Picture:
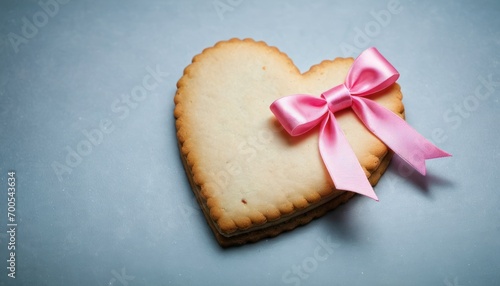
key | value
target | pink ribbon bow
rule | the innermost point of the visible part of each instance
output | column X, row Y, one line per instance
column 370, row 73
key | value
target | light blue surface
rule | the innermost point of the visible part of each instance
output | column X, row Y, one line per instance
column 125, row 215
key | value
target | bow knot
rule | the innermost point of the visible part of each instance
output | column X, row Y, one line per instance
column 370, row 73
column 337, row 98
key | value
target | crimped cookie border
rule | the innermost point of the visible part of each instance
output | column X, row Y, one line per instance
column 197, row 182
column 288, row 225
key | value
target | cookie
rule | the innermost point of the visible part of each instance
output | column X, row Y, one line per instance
column 251, row 178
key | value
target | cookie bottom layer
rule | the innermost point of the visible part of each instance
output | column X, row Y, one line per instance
column 314, row 211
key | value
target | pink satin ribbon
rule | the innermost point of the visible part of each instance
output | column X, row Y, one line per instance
column 370, row 73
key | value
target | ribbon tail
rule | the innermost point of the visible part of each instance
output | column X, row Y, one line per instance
column 340, row 160
column 398, row 135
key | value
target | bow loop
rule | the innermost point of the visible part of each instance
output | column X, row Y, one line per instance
column 370, row 73
column 299, row 113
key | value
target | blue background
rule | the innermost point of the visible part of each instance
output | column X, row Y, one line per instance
column 124, row 214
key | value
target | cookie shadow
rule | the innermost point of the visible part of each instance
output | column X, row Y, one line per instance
column 341, row 222
column 426, row 184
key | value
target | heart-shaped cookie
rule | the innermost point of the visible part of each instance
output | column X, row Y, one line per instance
column 251, row 178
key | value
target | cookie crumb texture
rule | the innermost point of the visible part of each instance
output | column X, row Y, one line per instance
column 250, row 177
